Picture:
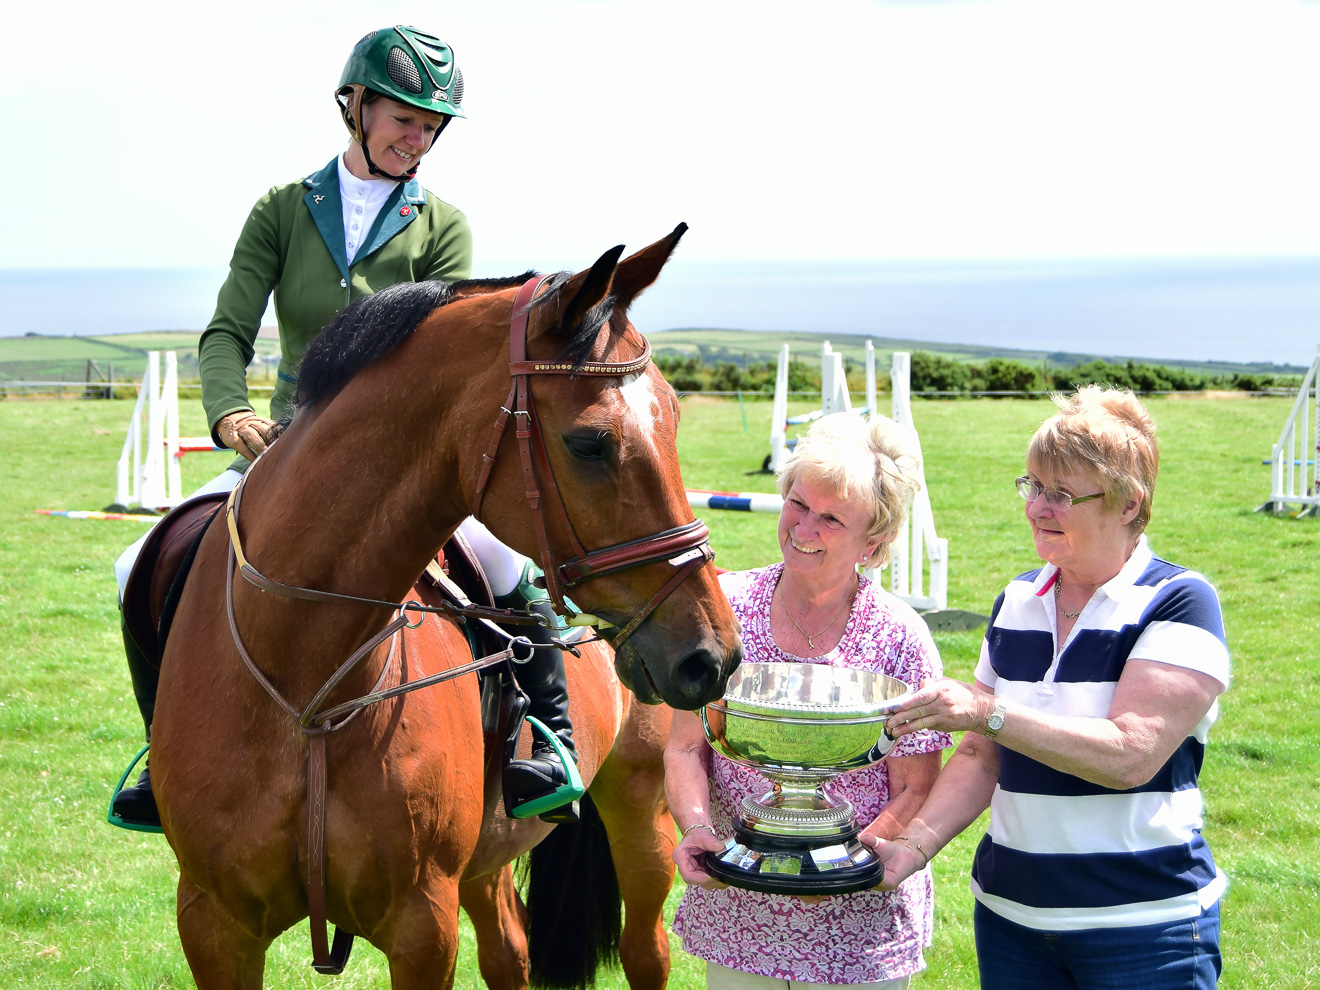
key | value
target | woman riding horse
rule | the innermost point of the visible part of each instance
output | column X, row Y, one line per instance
column 359, row 224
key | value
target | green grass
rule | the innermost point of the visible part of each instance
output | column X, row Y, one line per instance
column 83, row 905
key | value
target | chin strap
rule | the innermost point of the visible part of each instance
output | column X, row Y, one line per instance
column 353, row 120
column 376, row 170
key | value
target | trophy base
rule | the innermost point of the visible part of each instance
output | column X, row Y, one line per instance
column 776, row 865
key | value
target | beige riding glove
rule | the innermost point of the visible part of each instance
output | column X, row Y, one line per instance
column 246, row 433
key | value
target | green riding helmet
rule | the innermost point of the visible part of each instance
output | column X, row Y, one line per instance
column 406, row 65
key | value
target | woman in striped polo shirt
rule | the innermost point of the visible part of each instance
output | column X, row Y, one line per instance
column 1086, row 728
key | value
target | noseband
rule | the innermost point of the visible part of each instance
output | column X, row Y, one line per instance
column 685, row 547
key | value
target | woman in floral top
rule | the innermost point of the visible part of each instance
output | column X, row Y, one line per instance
column 847, row 489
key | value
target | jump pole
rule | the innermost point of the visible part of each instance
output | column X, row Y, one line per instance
column 735, row 501
column 89, row 514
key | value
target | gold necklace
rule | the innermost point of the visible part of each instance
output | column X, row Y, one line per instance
column 1058, row 602
column 811, row 645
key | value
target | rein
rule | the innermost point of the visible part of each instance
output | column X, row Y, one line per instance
column 685, row 547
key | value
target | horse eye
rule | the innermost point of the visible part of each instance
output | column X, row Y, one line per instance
column 585, row 448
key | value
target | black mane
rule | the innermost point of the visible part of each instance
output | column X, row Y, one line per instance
column 581, row 338
column 365, row 331
column 372, row 327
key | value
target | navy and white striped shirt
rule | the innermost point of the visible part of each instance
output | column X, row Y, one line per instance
column 1063, row 853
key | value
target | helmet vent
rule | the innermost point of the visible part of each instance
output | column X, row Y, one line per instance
column 402, row 70
column 436, row 52
column 458, row 87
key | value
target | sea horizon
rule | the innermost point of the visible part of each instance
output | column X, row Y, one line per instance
column 1242, row 310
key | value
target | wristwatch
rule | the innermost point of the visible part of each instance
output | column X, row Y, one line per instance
column 996, row 720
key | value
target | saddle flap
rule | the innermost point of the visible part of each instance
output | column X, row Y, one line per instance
column 456, row 573
column 457, row 564
column 157, row 566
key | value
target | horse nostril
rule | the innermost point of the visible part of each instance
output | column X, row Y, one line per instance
column 698, row 677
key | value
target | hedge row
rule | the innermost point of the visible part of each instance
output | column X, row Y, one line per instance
column 937, row 373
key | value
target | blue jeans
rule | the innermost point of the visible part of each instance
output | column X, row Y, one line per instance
column 1181, row 955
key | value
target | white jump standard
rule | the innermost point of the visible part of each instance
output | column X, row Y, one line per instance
column 1294, row 471
column 834, row 398
column 148, row 471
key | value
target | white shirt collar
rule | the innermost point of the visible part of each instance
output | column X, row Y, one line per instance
column 362, row 200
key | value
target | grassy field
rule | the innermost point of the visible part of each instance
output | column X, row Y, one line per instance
column 83, row 905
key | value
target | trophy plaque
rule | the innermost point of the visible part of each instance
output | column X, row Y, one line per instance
column 800, row 725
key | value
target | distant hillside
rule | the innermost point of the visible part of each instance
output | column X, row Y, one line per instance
column 749, row 346
column 36, row 357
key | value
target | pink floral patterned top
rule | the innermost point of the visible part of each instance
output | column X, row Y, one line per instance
column 853, row 938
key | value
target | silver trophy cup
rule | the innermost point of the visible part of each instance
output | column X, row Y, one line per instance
column 800, row 725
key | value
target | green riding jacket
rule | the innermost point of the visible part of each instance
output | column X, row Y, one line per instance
column 293, row 245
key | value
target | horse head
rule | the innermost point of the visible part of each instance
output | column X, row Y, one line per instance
column 598, row 439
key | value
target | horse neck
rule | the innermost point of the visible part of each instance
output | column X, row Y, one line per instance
column 355, row 500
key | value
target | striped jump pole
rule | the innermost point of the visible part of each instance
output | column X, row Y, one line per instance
column 736, row 501
column 89, row 514
column 196, row 445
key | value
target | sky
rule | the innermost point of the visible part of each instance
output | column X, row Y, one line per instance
column 139, row 133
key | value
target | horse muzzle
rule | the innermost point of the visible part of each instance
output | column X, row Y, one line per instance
column 695, row 678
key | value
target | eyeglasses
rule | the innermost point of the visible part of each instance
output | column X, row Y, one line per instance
column 1055, row 498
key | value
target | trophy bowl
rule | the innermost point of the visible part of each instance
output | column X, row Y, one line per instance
column 800, row 725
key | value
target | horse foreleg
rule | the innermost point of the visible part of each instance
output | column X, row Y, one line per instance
column 221, row 953
column 421, row 939
column 631, row 804
column 500, row 922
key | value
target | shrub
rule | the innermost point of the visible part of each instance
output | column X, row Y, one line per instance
column 937, row 373
column 1006, row 375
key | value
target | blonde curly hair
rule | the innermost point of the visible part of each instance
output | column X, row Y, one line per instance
column 1109, row 431
column 872, row 461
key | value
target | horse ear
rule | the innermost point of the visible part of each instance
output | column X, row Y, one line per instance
column 638, row 271
column 581, row 293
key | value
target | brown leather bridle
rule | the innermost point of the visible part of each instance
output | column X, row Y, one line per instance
column 686, row 547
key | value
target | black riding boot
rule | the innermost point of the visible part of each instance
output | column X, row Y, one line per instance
column 543, row 785
column 137, row 804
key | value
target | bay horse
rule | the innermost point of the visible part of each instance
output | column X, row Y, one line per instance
column 380, row 463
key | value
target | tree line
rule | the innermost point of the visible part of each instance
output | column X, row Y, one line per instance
column 937, row 373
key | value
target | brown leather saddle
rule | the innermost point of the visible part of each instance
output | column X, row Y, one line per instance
column 152, row 591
